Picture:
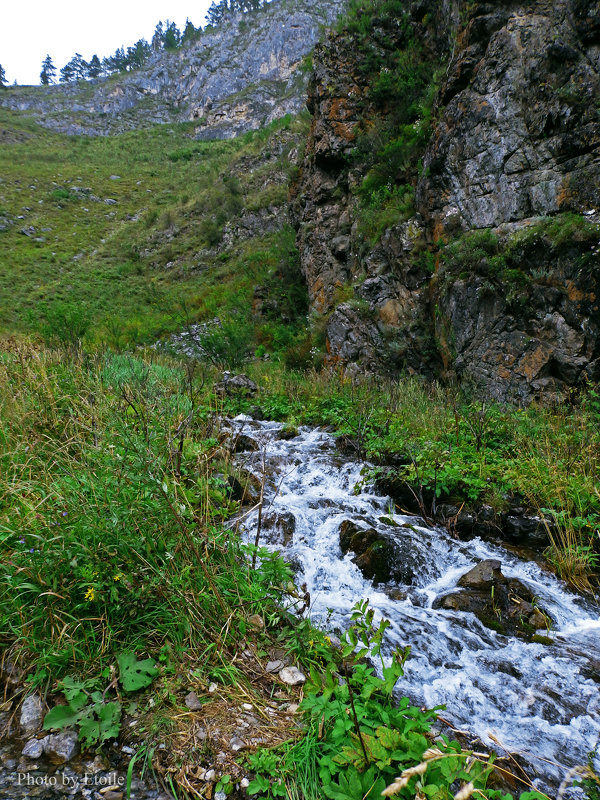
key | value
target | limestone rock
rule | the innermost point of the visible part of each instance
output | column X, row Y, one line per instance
column 34, row 748
column 291, row 676
column 193, row 702
column 61, row 747
column 31, row 714
column 233, row 385
column 234, row 78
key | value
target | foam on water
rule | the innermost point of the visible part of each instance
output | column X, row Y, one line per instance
column 534, row 698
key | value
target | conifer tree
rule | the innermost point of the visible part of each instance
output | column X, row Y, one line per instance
column 94, row 68
column 48, row 73
column 172, row 36
column 2, row 76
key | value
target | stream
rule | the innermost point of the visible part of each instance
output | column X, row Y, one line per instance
column 539, row 700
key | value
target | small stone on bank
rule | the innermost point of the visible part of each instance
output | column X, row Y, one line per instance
column 274, row 666
column 291, row 676
column 34, row 748
column 31, row 714
column 61, row 747
column 193, row 702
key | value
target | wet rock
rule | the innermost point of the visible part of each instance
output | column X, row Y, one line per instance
column 380, row 556
column 243, row 443
column 503, row 604
column 246, row 487
column 193, row 702
column 483, row 576
column 31, row 714
column 61, row 747
column 291, row 676
column 280, row 527
column 288, row 432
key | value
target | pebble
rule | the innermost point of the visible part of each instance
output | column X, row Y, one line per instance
column 247, row 706
column 213, row 688
column 244, row 783
column 291, row 676
column 237, row 744
column 34, row 748
column 209, row 775
column 274, row 666
column 220, row 796
column 193, row 702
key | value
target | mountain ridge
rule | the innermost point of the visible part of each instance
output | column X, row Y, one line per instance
column 236, row 77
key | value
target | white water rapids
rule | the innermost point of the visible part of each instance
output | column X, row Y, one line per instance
column 537, row 699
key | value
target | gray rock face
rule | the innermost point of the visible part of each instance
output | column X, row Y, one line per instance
column 31, row 714
column 519, row 135
column 518, row 139
column 234, row 78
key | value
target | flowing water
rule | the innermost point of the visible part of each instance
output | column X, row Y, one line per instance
column 540, row 700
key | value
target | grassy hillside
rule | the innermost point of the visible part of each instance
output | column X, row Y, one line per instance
column 121, row 237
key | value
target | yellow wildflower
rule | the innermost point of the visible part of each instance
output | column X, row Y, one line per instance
column 90, row 594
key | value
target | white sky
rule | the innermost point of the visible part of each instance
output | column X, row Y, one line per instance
column 31, row 28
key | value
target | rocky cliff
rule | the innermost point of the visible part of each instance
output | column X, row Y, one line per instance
column 236, row 77
column 488, row 272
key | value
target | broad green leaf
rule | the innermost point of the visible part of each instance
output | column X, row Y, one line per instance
column 60, row 717
column 135, row 674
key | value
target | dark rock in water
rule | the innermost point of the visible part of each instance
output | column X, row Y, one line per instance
column 281, row 527
column 483, row 576
column 504, row 604
column 381, row 557
column 288, row 432
column 257, row 413
column 246, row 487
column 236, row 385
column 244, row 443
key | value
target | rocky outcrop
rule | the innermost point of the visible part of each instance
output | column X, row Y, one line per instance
column 515, row 152
column 234, row 78
column 519, row 135
column 381, row 556
column 503, row 604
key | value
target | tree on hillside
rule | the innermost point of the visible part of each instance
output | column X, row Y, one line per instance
column 94, row 68
column 172, row 36
column 2, row 76
column 158, row 37
column 189, row 33
column 48, row 73
column 138, row 54
column 75, row 70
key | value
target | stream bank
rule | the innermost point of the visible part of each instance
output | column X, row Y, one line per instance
column 537, row 695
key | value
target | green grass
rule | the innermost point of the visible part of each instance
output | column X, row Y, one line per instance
column 130, row 266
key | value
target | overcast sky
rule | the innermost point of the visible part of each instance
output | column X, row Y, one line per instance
column 31, row 28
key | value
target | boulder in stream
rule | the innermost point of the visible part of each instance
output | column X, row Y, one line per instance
column 381, row 557
column 503, row 604
column 280, row 527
